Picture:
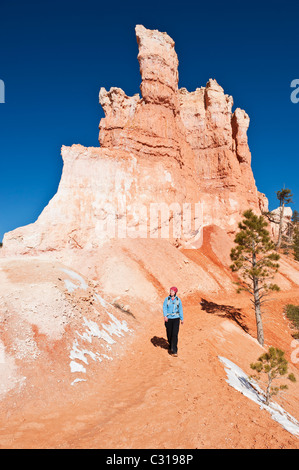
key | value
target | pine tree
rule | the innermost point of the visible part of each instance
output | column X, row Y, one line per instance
column 254, row 258
column 275, row 366
column 287, row 238
column 285, row 197
column 292, row 313
column 296, row 243
column 295, row 217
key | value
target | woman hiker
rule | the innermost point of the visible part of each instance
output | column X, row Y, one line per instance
column 173, row 314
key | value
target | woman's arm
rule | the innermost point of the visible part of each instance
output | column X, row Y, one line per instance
column 181, row 310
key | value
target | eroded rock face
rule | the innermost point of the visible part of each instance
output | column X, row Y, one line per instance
column 158, row 67
column 275, row 215
column 167, row 146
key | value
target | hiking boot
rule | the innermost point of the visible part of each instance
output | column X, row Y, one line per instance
column 175, row 354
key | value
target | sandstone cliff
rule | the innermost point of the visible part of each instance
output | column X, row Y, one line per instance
column 169, row 146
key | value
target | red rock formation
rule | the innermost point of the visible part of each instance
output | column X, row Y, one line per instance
column 169, row 146
column 275, row 220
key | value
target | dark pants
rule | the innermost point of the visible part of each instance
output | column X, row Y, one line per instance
column 172, row 330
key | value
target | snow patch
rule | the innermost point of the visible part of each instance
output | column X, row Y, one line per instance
column 168, row 178
column 76, row 367
column 78, row 380
column 114, row 328
column 248, row 387
column 103, row 332
column 77, row 353
column 101, row 300
column 69, row 284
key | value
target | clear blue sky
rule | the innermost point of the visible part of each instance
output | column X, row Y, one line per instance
column 55, row 56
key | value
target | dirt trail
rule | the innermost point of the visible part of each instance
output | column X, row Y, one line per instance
column 149, row 399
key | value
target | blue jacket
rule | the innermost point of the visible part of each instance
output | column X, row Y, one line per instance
column 174, row 309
